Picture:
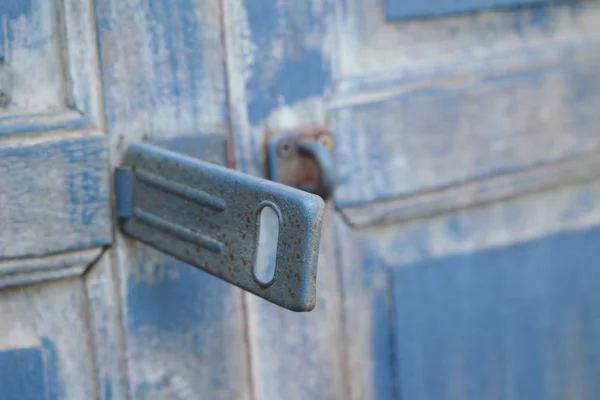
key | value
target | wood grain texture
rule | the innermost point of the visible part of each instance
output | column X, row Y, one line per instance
column 46, row 325
column 54, row 196
column 49, row 78
column 436, row 137
column 572, row 171
column 105, row 329
column 368, row 45
column 163, row 79
column 519, row 321
column 279, row 71
column 381, row 330
column 54, row 184
column 430, row 106
column 31, row 75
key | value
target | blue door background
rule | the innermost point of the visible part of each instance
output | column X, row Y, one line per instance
column 459, row 251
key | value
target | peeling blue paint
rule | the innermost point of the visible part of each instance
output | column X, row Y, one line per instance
column 172, row 296
column 377, row 181
column 384, row 363
column 13, row 9
column 108, row 389
column 79, row 200
column 29, row 373
column 294, row 80
column 176, row 31
column 53, row 385
column 497, row 323
column 300, row 72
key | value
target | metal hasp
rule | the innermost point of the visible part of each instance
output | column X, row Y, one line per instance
column 209, row 217
column 303, row 159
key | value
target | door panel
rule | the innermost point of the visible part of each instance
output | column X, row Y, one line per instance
column 435, row 295
column 54, row 204
column 32, row 42
column 54, row 180
column 54, row 196
column 433, row 137
column 44, row 346
column 519, row 322
column 428, row 104
column 49, row 69
column 466, row 153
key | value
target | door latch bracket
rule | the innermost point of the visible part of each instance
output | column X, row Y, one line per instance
column 209, row 217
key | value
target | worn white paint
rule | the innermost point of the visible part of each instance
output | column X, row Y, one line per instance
column 369, row 44
column 56, row 311
column 296, row 356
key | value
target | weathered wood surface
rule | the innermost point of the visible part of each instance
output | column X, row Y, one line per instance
column 163, row 78
column 279, row 72
column 44, row 347
column 519, row 321
column 54, row 196
column 478, row 108
column 53, row 184
column 376, row 258
column 54, row 202
column 455, row 136
column 427, row 105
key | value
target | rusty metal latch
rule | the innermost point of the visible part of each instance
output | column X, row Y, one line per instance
column 209, row 216
column 303, row 159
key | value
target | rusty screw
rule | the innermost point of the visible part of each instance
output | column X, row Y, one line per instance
column 286, row 149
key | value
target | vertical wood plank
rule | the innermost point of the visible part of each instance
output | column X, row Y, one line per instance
column 163, row 76
column 279, row 72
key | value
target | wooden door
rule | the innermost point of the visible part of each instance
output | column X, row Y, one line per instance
column 467, row 138
column 54, row 205
column 458, row 254
column 462, row 234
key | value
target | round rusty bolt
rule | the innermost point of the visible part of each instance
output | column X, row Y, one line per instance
column 286, row 148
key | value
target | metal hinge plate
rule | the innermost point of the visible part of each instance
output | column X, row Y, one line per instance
column 209, row 217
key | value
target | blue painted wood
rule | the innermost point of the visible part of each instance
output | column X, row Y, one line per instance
column 395, row 332
column 436, row 136
column 408, row 9
column 106, row 331
column 23, row 374
column 279, row 72
column 45, row 349
column 519, row 321
column 274, row 64
column 163, row 79
column 48, row 76
column 54, row 196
